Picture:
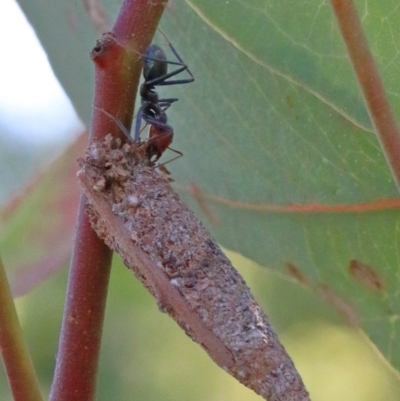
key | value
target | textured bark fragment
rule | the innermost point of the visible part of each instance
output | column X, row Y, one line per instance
column 134, row 209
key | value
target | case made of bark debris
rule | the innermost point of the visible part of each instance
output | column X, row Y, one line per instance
column 134, row 209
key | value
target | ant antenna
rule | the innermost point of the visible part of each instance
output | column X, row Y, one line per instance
column 117, row 121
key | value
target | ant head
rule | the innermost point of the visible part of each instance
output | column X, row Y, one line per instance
column 155, row 63
column 160, row 137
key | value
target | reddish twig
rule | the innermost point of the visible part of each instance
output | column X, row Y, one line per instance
column 117, row 71
column 17, row 361
column 135, row 210
column 371, row 84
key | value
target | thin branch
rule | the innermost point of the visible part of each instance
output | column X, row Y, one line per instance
column 137, row 213
column 371, row 84
column 117, row 71
column 17, row 361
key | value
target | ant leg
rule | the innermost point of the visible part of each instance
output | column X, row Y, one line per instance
column 180, row 154
column 161, row 81
column 137, row 125
column 157, row 123
column 178, row 57
column 165, row 102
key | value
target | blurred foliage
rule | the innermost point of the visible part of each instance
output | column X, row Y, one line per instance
column 17, row 162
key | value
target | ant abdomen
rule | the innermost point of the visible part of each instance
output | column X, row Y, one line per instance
column 155, row 63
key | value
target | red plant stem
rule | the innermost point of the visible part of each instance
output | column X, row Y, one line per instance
column 367, row 74
column 17, row 361
column 79, row 348
column 117, row 71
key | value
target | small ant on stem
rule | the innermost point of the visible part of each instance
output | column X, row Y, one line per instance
column 153, row 109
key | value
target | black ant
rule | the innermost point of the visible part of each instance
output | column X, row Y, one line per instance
column 153, row 109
